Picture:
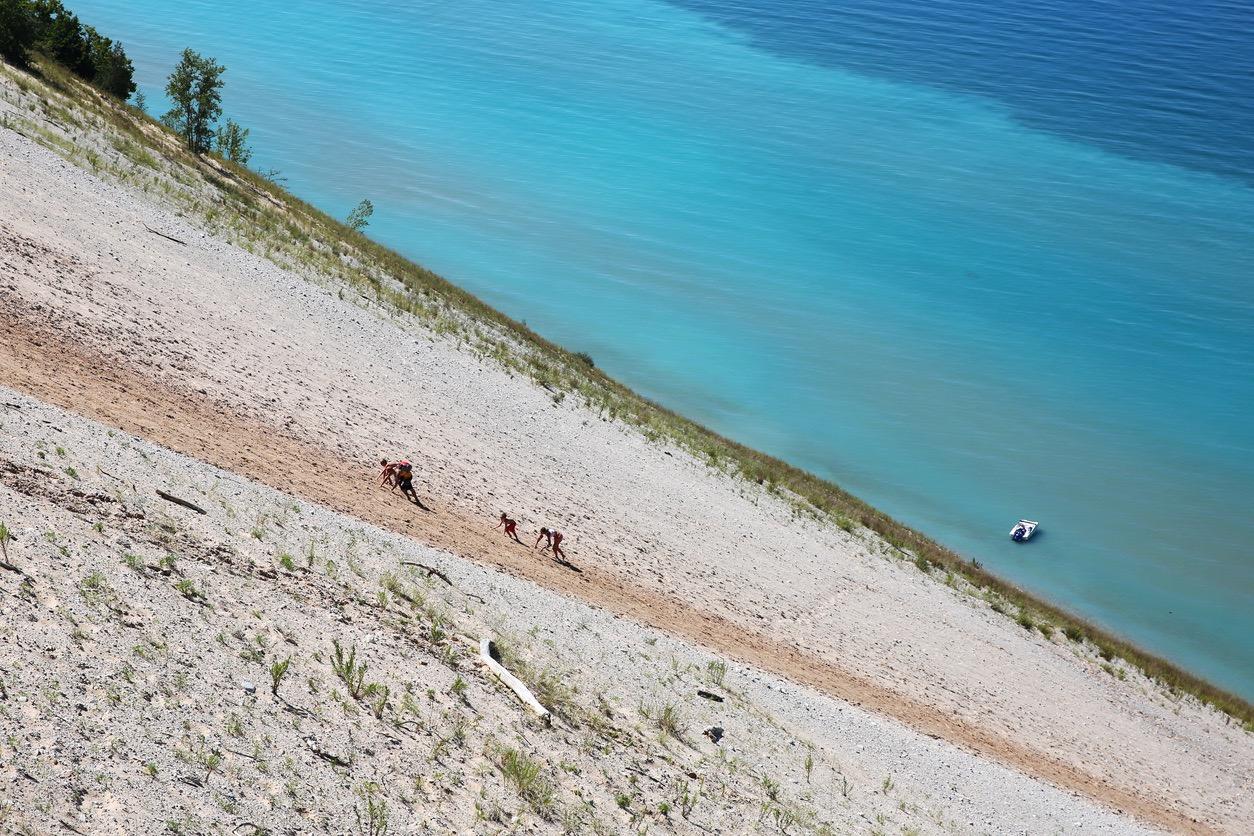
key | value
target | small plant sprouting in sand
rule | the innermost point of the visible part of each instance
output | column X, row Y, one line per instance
column 234, row 726
column 1025, row 621
column 716, row 672
column 376, row 696
column 210, row 761
column 94, row 589
column 151, row 769
column 527, row 777
column 667, row 718
column 459, row 687
column 887, row 786
column 1073, row 633
column 771, row 788
column 687, row 797
column 809, row 764
column 286, row 561
column 373, row 821
column 189, row 591
column 346, row 668
column 277, row 671
column 72, row 473
column 5, row 537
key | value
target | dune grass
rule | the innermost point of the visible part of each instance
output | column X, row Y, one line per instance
column 264, row 218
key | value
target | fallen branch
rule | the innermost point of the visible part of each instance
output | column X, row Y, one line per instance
column 514, row 683
column 163, row 235
column 334, row 760
column 104, row 472
column 431, row 570
column 172, row 498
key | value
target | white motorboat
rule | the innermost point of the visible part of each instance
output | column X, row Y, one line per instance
column 1023, row 530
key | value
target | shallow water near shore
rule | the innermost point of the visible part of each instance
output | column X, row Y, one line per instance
column 965, row 303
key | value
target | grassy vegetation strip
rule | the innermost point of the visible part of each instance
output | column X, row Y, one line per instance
column 262, row 217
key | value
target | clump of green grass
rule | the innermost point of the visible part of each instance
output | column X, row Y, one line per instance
column 669, row 720
column 349, row 670
column 526, row 776
column 278, row 670
column 189, row 591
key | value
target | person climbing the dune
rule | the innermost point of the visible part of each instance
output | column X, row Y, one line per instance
column 387, row 476
column 553, row 539
column 404, row 476
column 400, row 474
column 511, row 528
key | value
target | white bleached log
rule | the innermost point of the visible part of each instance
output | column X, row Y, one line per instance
column 512, row 682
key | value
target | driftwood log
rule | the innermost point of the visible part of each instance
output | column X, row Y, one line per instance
column 169, row 497
column 512, row 682
column 163, row 235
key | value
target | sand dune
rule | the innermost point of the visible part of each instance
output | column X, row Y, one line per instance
column 286, row 378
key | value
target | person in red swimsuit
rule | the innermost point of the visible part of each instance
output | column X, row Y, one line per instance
column 511, row 528
column 552, row 539
column 387, row 476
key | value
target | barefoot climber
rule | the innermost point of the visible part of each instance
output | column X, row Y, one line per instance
column 401, row 475
column 387, row 476
column 511, row 528
column 552, row 539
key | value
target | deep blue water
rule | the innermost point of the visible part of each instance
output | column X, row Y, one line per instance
column 1154, row 79
column 971, row 264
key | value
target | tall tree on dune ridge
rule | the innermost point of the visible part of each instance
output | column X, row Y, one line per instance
column 195, row 87
column 17, row 30
column 112, row 69
column 62, row 37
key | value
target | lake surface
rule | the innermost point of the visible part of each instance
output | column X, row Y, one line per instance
column 973, row 263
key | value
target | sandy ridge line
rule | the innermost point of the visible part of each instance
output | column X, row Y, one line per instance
column 51, row 367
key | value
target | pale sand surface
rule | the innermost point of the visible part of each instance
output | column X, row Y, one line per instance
column 285, row 352
column 104, row 677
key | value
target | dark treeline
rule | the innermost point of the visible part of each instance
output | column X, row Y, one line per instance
column 47, row 27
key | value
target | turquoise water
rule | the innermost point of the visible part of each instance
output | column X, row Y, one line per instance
column 883, row 252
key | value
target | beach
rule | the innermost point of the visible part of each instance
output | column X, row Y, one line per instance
column 294, row 380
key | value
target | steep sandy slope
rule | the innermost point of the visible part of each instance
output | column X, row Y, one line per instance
column 137, row 640
column 242, row 345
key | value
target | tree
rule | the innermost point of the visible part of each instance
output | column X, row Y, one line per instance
column 17, row 30
column 141, row 101
column 359, row 218
column 62, row 38
column 195, row 87
column 233, row 143
column 113, row 71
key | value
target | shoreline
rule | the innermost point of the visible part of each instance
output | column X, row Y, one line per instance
column 238, row 319
column 386, row 278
